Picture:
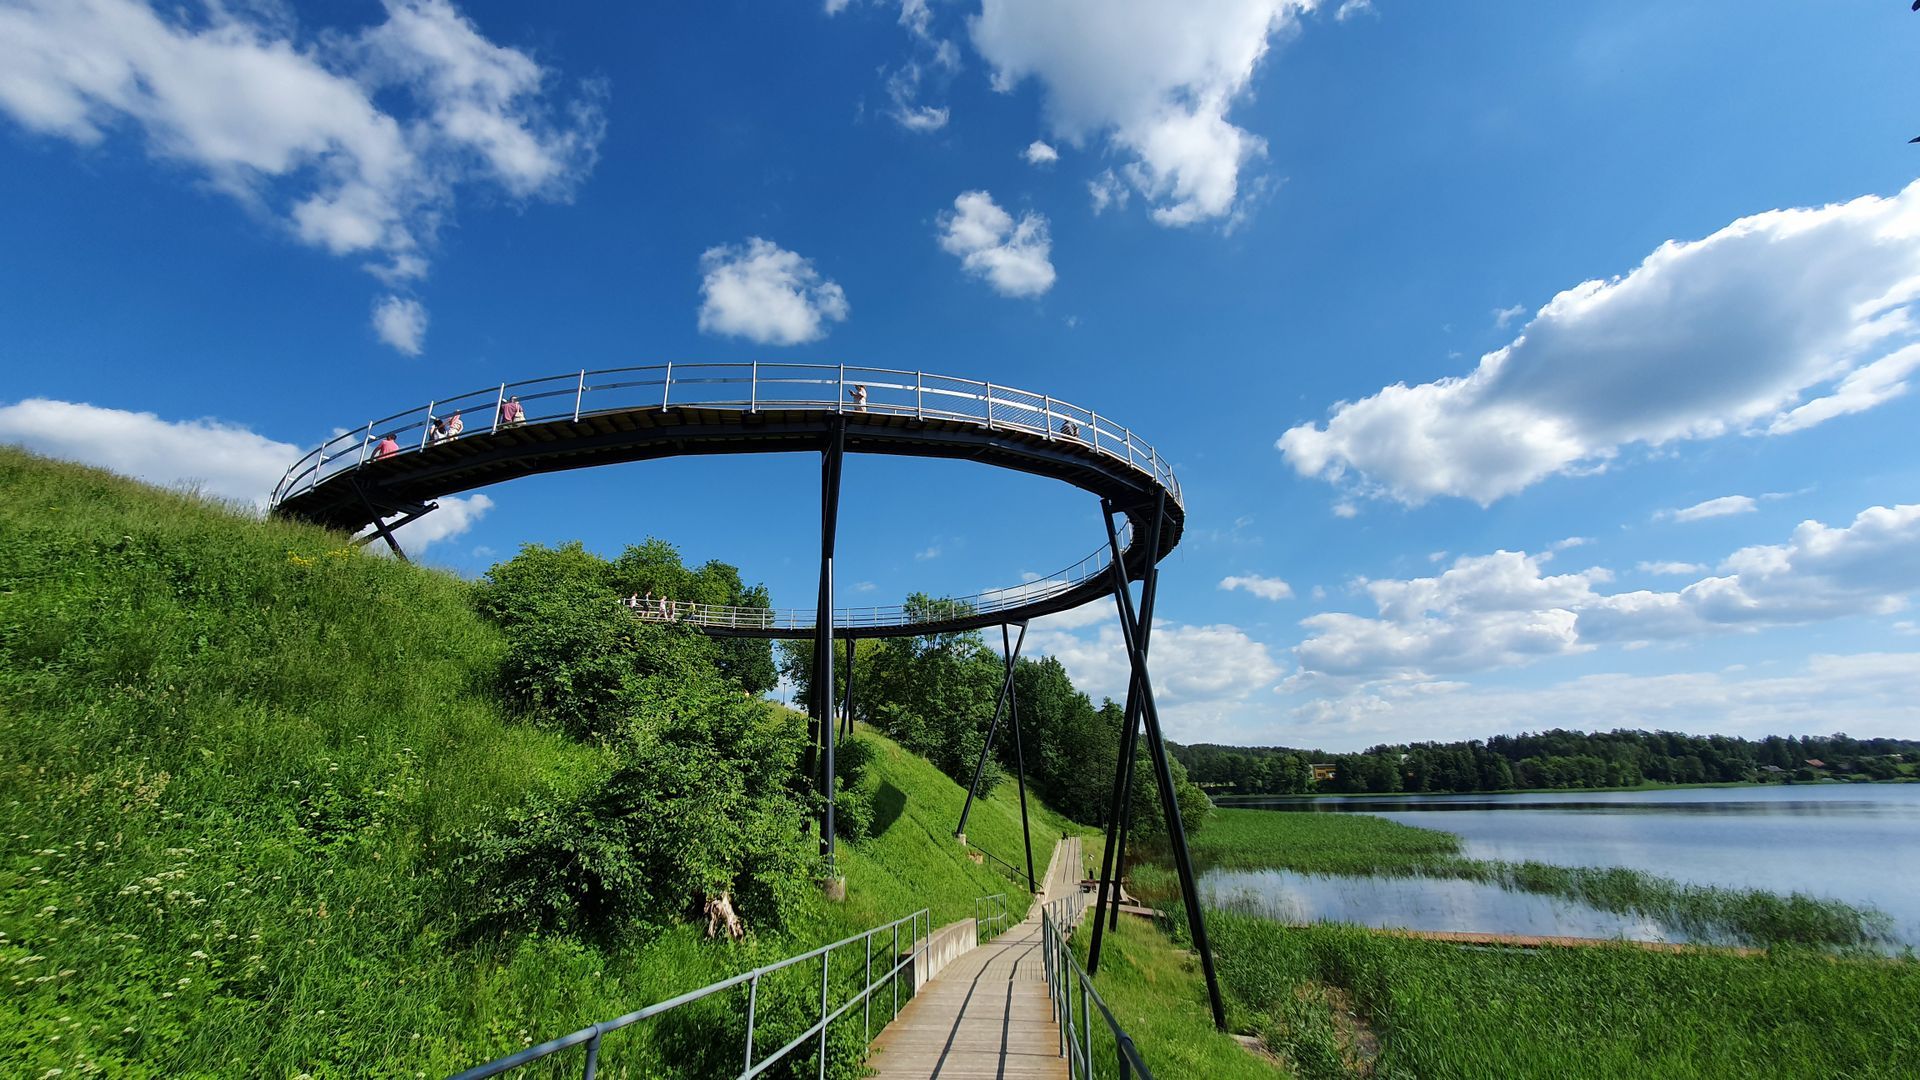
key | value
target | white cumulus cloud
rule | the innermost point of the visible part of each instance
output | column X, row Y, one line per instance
column 452, row 516
column 1039, row 153
column 1154, row 80
column 357, row 142
column 402, row 323
column 271, row 117
column 1777, row 322
column 1501, row 610
column 218, row 458
column 1266, row 588
column 1202, row 675
column 1014, row 257
column 766, row 294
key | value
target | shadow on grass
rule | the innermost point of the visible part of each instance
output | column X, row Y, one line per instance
column 889, row 803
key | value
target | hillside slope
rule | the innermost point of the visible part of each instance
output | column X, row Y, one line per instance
column 238, row 756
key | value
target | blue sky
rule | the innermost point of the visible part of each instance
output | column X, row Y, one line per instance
column 1524, row 365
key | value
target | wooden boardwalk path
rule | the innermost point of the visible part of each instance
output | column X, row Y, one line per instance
column 987, row 1015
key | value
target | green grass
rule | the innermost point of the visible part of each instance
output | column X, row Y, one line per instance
column 1441, row 1012
column 1159, row 997
column 1362, row 844
column 238, row 754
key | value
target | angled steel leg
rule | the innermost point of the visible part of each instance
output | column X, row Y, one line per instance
column 1120, row 811
column 1163, row 772
column 1006, row 687
column 1019, row 753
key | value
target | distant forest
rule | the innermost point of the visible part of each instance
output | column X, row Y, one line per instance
column 1549, row 759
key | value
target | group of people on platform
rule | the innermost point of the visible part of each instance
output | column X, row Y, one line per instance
column 648, row 607
column 447, row 428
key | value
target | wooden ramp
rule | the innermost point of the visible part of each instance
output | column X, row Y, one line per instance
column 987, row 1015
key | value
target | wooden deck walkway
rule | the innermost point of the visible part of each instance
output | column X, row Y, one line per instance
column 987, row 1015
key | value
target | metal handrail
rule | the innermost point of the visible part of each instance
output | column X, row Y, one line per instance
column 583, row 394
column 734, row 617
column 919, row 925
column 991, row 917
column 1065, row 977
column 1013, row 871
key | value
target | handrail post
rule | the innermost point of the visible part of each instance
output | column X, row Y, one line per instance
column 919, row 406
column 498, row 404
column 593, row 1058
column 825, row 957
column 840, row 388
column 753, row 388
column 428, row 429
column 1048, row 421
column 666, row 386
column 753, row 1007
column 867, row 998
column 989, row 406
column 364, row 443
column 578, row 393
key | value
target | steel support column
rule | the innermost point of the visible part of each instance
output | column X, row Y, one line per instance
column 1120, row 810
column 846, row 709
column 1006, row 687
column 1130, row 633
column 1019, row 753
column 823, row 695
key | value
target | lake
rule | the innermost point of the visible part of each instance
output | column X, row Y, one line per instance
column 1854, row 842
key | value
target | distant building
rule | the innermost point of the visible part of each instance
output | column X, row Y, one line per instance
column 1322, row 773
column 1816, row 763
column 1772, row 769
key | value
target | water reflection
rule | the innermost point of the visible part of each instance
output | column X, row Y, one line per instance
column 1420, row 903
column 1853, row 842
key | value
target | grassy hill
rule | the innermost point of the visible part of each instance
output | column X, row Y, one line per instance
column 239, row 756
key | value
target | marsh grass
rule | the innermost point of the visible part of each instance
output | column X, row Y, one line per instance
column 1441, row 1011
column 1359, row 844
column 238, row 757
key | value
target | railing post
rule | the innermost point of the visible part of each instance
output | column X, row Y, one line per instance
column 894, row 968
column 753, row 1007
column 919, row 408
column 593, row 1057
column 824, row 958
column 840, row 391
column 753, row 389
column 427, row 431
column 498, row 404
column 867, row 994
column 578, row 393
column 989, row 406
column 366, row 442
column 1049, row 416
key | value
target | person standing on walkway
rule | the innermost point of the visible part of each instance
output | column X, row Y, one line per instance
column 859, row 394
column 512, row 414
column 387, row 447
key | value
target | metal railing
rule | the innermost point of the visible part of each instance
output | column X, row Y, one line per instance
column 991, row 917
column 1013, row 872
column 1066, row 979
column 919, row 928
column 747, row 388
column 731, row 617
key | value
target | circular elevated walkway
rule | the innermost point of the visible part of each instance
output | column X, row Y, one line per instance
column 590, row 418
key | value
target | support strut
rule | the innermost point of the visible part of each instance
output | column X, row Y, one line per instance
column 1019, row 753
column 408, row 511
column 1157, row 749
column 1006, row 688
column 846, row 709
column 1120, row 810
column 822, row 697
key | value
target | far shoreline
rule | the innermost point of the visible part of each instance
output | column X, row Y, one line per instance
column 1240, row 800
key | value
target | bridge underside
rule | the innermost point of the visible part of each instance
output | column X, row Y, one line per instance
column 358, row 496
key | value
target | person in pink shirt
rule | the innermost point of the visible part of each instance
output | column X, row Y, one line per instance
column 386, row 448
column 512, row 413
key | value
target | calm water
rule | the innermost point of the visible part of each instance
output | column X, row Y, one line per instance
column 1854, row 842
